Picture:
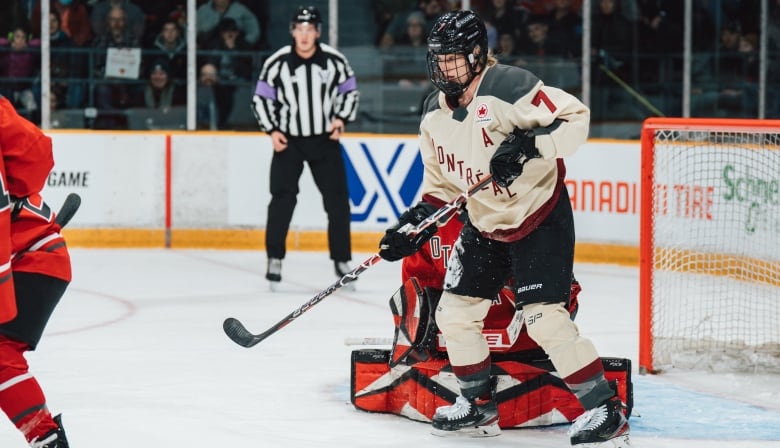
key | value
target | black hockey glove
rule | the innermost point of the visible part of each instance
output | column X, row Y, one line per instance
column 516, row 150
column 398, row 243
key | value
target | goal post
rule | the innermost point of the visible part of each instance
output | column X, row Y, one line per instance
column 710, row 245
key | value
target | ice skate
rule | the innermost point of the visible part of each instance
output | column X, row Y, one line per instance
column 470, row 418
column 54, row 439
column 603, row 427
column 342, row 269
column 274, row 273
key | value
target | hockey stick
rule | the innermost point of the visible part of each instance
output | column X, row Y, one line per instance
column 238, row 333
column 367, row 341
column 68, row 209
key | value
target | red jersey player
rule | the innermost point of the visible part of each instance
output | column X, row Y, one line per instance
column 35, row 270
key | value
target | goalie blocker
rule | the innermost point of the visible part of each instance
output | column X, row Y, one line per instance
column 413, row 378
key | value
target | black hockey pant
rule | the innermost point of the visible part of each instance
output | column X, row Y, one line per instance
column 327, row 167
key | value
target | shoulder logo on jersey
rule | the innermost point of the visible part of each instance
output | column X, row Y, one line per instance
column 483, row 114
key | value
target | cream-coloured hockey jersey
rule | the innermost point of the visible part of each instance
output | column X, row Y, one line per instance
column 457, row 145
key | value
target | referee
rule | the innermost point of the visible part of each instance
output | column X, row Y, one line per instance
column 305, row 94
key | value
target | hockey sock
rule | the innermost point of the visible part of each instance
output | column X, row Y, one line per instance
column 21, row 397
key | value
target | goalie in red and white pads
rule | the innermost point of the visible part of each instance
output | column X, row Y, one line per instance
column 414, row 377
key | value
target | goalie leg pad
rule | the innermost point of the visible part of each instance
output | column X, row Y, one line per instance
column 529, row 394
column 415, row 330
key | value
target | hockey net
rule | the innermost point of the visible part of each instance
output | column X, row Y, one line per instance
column 710, row 245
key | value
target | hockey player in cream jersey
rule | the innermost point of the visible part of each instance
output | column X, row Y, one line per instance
column 488, row 118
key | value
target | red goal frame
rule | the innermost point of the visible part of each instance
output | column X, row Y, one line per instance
column 646, row 249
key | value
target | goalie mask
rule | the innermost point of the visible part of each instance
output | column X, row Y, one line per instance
column 457, row 51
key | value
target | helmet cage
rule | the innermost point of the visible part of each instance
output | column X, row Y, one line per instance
column 456, row 33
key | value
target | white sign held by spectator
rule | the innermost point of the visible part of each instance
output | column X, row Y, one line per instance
column 123, row 63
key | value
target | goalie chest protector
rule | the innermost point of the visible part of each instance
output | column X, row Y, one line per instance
column 528, row 393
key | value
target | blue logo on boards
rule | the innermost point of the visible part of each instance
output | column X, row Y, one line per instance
column 382, row 183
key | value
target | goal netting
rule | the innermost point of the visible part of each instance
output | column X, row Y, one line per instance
column 710, row 245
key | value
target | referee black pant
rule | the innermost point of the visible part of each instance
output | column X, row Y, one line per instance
column 327, row 167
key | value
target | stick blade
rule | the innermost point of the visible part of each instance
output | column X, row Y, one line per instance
column 69, row 208
column 238, row 333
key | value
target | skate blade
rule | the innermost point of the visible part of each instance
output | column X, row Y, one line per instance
column 473, row 431
column 618, row 442
column 349, row 287
column 273, row 286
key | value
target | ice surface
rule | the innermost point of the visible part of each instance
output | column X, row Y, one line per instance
column 135, row 356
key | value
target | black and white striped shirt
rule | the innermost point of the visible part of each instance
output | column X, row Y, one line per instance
column 300, row 97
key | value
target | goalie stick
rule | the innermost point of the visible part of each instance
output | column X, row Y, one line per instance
column 239, row 334
column 352, row 341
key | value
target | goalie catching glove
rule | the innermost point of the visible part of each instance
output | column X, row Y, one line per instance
column 398, row 242
column 516, row 150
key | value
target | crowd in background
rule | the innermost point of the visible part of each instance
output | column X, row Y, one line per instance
column 634, row 43
column 228, row 33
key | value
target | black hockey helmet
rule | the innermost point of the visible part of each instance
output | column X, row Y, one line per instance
column 306, row 14
column 457, row 32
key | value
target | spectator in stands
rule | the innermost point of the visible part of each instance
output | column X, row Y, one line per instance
column 56, row 96
column 112, row 94
column 660, row 26
column 538, row 41
column 506, row 52
column 384, row 13
column 746, row 84
column 11, row 13
column 230, row 53
column 431, row 10
column 18, row 67
column 66, row 65
column 156, row 13
column 727, row 86
column 135, row 20
column 74, row 20
column 213, row 11
column 179, row 15
column 612, row 54
column 160, row 92
column 171, row 45
column 506, row 17
column 262, row 11
column 565, row 27
column 214, row 103
column 411, row 49
column 415, row 35
column 612, row 38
